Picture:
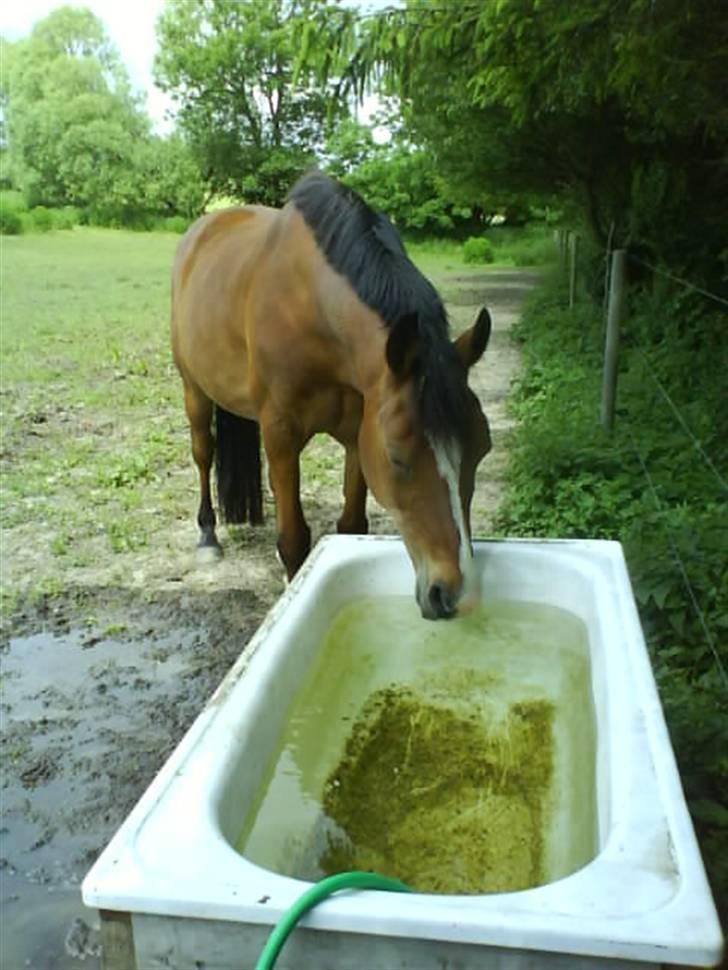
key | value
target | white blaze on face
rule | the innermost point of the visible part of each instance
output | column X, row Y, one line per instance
column 448, row 457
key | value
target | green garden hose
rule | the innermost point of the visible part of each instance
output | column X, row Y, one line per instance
column 313, row 896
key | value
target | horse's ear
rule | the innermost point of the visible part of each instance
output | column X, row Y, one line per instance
column 471, row 344
column 402, row 346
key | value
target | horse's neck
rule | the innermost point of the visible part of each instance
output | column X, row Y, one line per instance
column 357, row 335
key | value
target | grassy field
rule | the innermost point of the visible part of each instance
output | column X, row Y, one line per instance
column 93, row 441
column 90, row 403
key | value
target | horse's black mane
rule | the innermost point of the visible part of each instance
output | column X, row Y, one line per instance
column 363, row 246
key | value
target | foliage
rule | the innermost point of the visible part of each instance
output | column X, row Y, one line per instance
column 397, row 177
column 478, row 249
column 41, row 218
column 405, row 184
column 647, row 486
column 77, row 134
column 71, row 116
column 521, row 98
column 11, row 221
column 228, row 66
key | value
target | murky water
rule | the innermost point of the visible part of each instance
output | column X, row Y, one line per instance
column 457, row 756
column 68, row 703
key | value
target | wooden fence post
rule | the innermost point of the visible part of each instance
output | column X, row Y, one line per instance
column 611, row 343
column 573, row 249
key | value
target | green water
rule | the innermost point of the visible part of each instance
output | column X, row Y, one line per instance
column 458, row 756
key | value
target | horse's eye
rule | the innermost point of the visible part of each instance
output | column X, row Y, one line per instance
column 400, row 466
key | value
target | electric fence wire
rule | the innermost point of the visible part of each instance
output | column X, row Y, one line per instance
column 680, row 565
column 709, row 639
column 676, row 411
column 677, row 279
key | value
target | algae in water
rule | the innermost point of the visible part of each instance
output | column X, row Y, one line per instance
column 441, row 800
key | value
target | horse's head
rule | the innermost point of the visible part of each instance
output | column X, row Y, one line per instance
column 422, row 437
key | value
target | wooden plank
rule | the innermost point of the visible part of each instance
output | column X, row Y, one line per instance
column 117, row 941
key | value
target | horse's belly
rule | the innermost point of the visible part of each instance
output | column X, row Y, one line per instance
column 215, row 359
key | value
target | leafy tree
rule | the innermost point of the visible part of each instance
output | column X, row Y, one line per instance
column 404, row 183
column 397, row 176
column 350, row 145
column 616, row 104
column 170, row 178
column 72, row 120
column 77, row 133
column 229, row 67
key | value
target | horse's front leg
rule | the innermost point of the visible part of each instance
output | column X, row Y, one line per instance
column 353, row 520
column 283, row 446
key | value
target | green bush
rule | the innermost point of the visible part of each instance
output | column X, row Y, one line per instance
column 66, row 218
column 41, row 219
column 176, row 224
column 478, row 249
column 11, row 220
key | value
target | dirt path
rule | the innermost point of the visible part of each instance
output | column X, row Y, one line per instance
column 104, row 671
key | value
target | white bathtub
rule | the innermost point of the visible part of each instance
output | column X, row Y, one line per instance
column 195, row 902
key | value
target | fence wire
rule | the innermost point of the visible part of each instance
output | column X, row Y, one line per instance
column 684, row 425
column 677, row 279
column 675, row 552
column 681, row 566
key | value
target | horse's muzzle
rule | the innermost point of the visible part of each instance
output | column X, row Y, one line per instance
column 440, row 602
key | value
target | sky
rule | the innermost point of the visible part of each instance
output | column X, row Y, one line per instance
column 130, row 25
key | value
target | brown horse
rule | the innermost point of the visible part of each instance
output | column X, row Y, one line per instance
column 311, row 319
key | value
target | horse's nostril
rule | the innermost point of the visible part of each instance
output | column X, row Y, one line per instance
column 442, row 600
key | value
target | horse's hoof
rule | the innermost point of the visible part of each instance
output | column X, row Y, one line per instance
column 208, row 554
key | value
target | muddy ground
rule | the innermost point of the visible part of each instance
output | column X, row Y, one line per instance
column 104, row 671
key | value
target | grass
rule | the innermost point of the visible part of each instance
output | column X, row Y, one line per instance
column 90, row 401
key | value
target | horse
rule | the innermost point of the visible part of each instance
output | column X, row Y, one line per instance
column 312, row 318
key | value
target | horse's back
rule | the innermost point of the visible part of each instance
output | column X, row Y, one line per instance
column 215, row 262
column 207, row 239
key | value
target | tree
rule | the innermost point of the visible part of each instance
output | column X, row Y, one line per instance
column 77, row 133
column 229, row 67
column 72, row 120
column 170, row 178
column 616, row 104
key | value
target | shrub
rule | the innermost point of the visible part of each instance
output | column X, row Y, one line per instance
column 41, row 219
column 176, row 224
column 66, row 218
column 478, row 249
column 11, row 222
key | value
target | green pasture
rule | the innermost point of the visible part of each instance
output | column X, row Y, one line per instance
column 90, row 403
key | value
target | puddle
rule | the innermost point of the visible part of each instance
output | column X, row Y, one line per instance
column 68, row 710
column 458, row 757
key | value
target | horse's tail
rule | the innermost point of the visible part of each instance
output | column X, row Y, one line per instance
column 237, row 468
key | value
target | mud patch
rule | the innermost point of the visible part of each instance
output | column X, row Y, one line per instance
column 439, row 800
column 89, row 715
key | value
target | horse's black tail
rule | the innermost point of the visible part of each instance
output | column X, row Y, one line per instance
column 237, row 468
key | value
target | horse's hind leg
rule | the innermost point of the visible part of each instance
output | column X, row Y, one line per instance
column 199, row 413
column 353, row 520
